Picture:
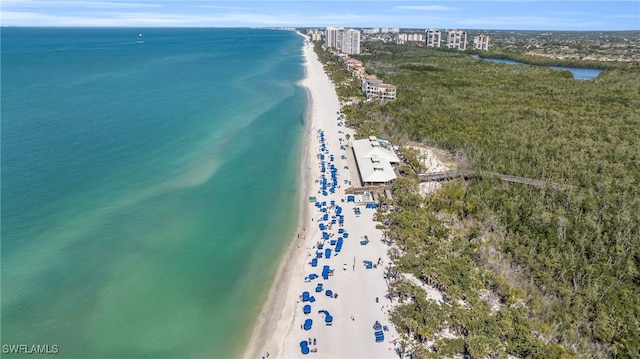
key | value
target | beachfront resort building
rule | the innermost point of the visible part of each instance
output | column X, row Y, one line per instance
column 356, row 67
column 375, row 159
column 374, row 88
column 347, row 40
column 481, row 42
column 433, row 38
column 457, row 39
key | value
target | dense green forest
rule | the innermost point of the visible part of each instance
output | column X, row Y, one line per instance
column 527, row 271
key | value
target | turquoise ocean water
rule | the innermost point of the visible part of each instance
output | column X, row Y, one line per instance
column 149, row 186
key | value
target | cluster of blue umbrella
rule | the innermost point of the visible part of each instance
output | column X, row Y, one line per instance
column 339, row 244
column 306, row 297
column 328, row 319
column 327, row 186
column 304, row 347
column 307, row 324
column 331, row 214
column 326, row 270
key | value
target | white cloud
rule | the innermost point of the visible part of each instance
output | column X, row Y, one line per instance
column 425, row 8
column 18, row 18
column 531, row 22
column 627, row 16
column 21, row 4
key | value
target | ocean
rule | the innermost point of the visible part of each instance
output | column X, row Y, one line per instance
column 150, row 185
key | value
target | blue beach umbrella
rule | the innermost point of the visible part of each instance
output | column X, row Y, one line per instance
column 328, row 319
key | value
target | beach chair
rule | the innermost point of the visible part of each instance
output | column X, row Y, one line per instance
column 379, row 336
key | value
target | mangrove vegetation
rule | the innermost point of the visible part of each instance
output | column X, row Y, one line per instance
column 526, row 271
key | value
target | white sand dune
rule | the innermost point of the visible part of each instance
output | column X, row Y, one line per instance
column 279, row 329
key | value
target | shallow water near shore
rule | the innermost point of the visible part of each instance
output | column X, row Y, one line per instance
column 150, row 182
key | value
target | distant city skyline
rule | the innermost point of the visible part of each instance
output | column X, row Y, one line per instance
column 480, row 15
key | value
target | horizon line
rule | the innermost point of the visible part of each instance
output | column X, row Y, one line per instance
column 298, row 27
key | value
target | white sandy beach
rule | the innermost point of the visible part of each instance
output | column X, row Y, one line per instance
column 355, row 310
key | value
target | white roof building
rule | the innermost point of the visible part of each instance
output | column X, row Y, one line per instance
column 375, row 158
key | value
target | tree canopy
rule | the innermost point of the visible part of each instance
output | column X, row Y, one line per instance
column 563, row 262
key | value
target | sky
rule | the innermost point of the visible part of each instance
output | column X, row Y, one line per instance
column 484, row 15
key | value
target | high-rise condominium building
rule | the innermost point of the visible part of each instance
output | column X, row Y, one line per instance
column 481, row 42
column 351, row 41
column 457, row 39
column 333, row 37
column 347, row 40
column 433, row 38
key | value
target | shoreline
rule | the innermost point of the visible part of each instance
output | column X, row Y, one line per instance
column 362, row 291
column 293, row 257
